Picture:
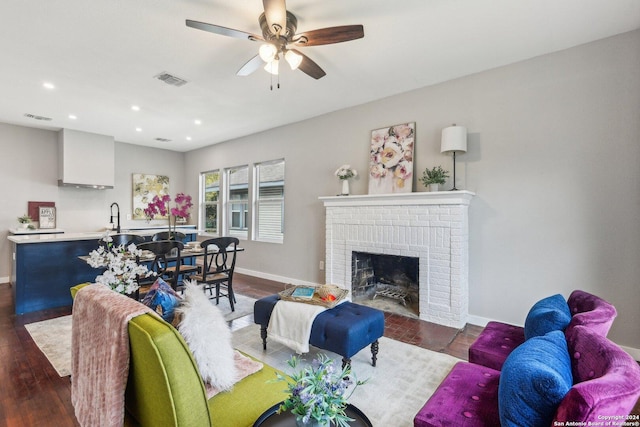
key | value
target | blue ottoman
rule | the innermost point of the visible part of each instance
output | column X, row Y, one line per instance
column 345, row 329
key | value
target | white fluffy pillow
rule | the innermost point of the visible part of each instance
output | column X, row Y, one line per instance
column 206, row 332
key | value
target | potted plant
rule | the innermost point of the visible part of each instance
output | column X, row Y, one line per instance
column 25, row 220
column 317, row 393
column 432, row 177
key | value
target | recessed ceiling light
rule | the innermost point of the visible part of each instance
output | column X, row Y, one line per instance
column 197, row 121
column 135, row 108
column 48, row 85
column 188, row 138
column 73, row 116
column 138, row 129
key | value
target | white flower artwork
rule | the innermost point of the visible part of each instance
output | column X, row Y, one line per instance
column 391, row 159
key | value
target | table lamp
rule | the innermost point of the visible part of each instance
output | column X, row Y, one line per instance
column 454, row 139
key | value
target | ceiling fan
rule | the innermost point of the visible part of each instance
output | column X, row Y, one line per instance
column 280, row 40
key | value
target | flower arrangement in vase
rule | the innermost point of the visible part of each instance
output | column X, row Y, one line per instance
column 160, row 206
column 122, row 271
column 344, row 173
column 318, row 393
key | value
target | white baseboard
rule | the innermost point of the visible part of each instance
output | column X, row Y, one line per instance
column 4, row 279
column 275, row 277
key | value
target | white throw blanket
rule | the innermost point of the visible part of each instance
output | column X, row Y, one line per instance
column 290, row 324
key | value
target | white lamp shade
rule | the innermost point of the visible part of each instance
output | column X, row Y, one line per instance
column 454, row 138
column 293, row 59
column 267, row 52
column 272, row 67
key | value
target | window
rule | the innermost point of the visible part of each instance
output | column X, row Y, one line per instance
column 243, row 202
column 211, row 194
column 237, row 185
column 269, row 201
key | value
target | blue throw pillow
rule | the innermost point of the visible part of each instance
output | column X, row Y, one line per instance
column 548, row 314
column 534, row 379
column 162, row 299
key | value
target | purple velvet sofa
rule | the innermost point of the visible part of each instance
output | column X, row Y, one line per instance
column 498, row 340
column 605, row 381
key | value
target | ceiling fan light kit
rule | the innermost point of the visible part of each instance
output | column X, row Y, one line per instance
column 279, row 28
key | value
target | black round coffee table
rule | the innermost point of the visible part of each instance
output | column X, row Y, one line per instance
column 286, row 419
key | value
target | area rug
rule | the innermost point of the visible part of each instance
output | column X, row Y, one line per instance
column 404, row 378
column 53, row 336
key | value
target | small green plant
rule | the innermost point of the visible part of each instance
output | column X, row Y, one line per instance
column 24, row 219
column 436, row 175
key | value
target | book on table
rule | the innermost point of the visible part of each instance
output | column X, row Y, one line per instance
column 303, row 292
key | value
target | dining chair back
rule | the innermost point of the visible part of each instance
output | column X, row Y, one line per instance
column 168, row 235
column 124, row 239
column 165, row 252
column 218, row 266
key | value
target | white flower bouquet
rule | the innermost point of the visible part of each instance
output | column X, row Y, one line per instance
column 346, row 172
column 122, row 270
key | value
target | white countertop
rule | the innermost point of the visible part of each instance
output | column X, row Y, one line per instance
column 91, row 235
column 35, row 230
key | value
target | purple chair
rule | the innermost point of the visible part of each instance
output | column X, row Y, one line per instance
column 498, row 340
column 606, row 380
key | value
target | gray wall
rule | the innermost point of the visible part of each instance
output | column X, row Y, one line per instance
column 29, row 172
column 554, row 150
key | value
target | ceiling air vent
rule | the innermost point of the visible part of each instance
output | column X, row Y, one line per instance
column 33, row 116
column 163, row 140
column 170, row 79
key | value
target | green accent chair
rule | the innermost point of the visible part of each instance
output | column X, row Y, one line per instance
column 166, row 389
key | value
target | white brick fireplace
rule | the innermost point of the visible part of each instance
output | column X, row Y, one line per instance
column 433, row 227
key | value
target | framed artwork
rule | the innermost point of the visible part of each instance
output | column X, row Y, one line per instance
column 145, row 188
column 391, row 159
column 47, row 217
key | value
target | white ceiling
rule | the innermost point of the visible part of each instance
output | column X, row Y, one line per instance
column 103, row 55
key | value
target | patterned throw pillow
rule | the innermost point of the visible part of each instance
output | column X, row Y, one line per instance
column 162, row 299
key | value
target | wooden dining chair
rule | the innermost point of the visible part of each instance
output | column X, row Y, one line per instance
column 168, row 235
column 124, row 239
column 217, row 269
column 165, row 252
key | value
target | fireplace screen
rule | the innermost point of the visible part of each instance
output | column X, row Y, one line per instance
column 388, row 277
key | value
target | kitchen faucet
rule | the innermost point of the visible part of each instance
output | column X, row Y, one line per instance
column 117, row 216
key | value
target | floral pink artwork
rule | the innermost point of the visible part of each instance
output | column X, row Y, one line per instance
column 391, row 159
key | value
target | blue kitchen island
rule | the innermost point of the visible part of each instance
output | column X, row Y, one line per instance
column 46, row 266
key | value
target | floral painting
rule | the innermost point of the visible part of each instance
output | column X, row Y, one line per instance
column 145, row 188
column 391, row 159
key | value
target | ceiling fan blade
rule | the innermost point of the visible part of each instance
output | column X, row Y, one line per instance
column 329, row 35
column 224, row 31
column 252, row 65
column 309, row 67
column 275, row 11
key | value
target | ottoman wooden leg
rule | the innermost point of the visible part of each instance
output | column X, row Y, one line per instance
column 263, row 335
column 374, row 352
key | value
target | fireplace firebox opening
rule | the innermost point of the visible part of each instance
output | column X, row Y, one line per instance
column 388, row 282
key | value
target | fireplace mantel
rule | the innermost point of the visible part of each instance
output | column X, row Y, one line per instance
column 460, row 197
column 430, row 226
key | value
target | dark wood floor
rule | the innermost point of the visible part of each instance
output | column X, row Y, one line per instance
column 32, row 393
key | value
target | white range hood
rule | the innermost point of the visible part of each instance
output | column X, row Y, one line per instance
column 85, row 160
